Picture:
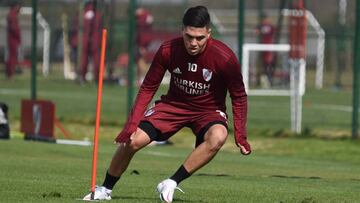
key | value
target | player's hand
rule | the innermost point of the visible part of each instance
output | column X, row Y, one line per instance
column 245, row 148
column 127, row 131
column 123, row 137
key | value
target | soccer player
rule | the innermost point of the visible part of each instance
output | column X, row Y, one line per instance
column 267, row 34
column 91, row 40
column 202, row 71
column 144, row 22
column 13, row 38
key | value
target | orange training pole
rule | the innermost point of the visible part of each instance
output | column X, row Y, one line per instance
column 98, row 110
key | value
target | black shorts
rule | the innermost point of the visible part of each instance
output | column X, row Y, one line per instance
column 164, row 120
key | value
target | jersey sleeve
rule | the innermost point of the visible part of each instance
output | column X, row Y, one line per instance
column 146, row 92
column 235, row 85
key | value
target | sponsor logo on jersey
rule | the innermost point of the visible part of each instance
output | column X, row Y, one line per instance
column 177, row 70
column 191, row 87
column 207, row 74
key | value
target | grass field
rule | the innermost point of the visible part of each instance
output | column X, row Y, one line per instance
column 320, row 165
column 286, row 170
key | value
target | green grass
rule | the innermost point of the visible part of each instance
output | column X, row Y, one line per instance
column 286, row 170
column 319, row 165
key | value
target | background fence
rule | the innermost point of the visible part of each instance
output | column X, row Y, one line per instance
column 326, row 112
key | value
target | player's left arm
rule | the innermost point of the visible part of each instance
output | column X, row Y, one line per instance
column 235, row 85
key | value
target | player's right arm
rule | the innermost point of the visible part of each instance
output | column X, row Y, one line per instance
column 146, row 92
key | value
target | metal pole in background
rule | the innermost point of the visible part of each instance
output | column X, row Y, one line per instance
column 261, row 15
column 111, row 56
column 341, row 44
column 279, row 23
column 131, row 49
column 261, row 12
column 297, row 38
column 80, row 37
column 33, row 49
column 355, row 112
column 241, row 10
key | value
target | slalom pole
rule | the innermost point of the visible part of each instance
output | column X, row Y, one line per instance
column 98, row 110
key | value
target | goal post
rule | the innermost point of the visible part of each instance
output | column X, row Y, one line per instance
column 297, row 38
column 46, row 38
column 297, row 79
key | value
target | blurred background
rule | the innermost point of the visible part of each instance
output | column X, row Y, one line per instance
column 67, row 51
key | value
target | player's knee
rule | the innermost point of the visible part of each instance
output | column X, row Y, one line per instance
column 216, row 137
column 138, row 140
column 134, row 145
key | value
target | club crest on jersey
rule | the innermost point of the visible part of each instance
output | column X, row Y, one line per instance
column 222, row 114
column 149, row 112
column 207, row 74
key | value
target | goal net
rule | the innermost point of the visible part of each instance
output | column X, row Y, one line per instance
column 274, row 79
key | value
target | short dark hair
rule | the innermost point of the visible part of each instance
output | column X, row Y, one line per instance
column 197, row 16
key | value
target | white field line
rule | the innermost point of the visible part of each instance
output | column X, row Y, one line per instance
column 331, row 107
column 162, row 154
column 57, row 94
column 74, row 142
column 14, row 92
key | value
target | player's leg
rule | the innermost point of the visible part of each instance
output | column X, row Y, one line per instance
column 119, row 164
column 213, row 140
column 84, row 60
column 12, row 60
column 265, row 80
column 151, row 128
column 95, row 53
column 210, row 139
column 269, row 67
column 123, row 156
column 126, row 151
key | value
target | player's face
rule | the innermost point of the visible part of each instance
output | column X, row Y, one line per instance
column 195, row 39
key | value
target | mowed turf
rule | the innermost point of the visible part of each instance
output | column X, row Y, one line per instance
column 320, row 165
column 287, row 170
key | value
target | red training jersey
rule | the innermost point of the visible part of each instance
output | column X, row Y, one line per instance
column 267, row 32
column 198, row 83
column 13, row 28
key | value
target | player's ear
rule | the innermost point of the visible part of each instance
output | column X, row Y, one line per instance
column 209, row 32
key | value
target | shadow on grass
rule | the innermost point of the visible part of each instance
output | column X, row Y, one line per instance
column 295, row 177
column 213, row 175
